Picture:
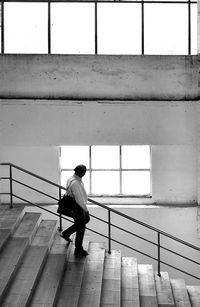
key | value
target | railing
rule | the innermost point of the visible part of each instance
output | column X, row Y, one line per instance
column 108, row 222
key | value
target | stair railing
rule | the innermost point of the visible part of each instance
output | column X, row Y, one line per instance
column 108, row 222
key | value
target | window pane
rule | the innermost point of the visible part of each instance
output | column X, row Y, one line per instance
column 105, row 182
column 136, row 183
column 72, row 28
column 105, row 157
column 194, row 28
column 167, row 0
column 26, row 27
column 74, row 155
column 0, row 25
column 135, row 157
column 119, row 28
column 166, row 28
column 66, row 174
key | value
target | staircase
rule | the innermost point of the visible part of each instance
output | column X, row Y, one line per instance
column 38, row 269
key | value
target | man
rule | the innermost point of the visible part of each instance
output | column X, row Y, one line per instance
column 75, row 189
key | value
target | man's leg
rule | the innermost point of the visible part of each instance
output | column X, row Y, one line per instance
column 80, row 226
column 69, row 231
column 79, row 236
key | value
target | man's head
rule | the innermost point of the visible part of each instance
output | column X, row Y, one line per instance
column 80, row 170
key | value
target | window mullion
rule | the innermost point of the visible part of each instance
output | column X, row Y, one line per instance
column 90, row 169
column 96, row 29
column 120, row 168
column 142, row 32
column 49, row 27
column 2, row 27
column 189, row 27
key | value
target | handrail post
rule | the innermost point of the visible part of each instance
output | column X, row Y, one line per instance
column 159, row 254
column 60, row 217
column 109, row 233
column 11, row 188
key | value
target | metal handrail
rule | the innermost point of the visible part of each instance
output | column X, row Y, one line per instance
column 110, row 210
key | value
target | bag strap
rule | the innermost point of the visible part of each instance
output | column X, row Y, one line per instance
column 70, row 185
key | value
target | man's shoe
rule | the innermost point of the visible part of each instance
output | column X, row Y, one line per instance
column 80, row 252
column 66, row 238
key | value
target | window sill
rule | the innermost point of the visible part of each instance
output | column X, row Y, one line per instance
column 147, row 200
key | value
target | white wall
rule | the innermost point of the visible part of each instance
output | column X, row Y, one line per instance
column 174, row 174
column 43, row 161
column 33, row 130
column 42, row 122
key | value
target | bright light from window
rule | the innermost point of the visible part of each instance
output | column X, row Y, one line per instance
column 110, row 173
column 135, row 183
column 105, row 182
column 26, row 27
column 166, row 28
column 71, row 156
column 72, row 28
column 0, row 25
column 119, row 28
column 194, row 29
column 105, row 157
column 135, row 157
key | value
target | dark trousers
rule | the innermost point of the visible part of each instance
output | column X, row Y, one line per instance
column 78, row 227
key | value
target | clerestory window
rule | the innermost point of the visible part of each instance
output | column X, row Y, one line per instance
column 112, row 170
column 99, row 27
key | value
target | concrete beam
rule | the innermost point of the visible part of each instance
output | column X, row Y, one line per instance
column 99, row 77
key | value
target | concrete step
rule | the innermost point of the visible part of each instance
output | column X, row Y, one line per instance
column 47, row 290
column 129, row 283
column 22, row 288
column 111, row 283
column 9, row 221
column 180, row 293
column 11, row 217
column 10, row 260
column 90, row 292
column 194, row 295
column 72, row 280
column 28, row 274
column 39, row 269
column 164, row 290
column 28, row 226
column 147, row 289
column 45, row 233
column 5, row 234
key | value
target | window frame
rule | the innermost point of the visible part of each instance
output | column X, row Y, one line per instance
column 119, row 170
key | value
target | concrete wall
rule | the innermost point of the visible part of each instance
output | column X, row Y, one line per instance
column 51, row 100
column 39, row 122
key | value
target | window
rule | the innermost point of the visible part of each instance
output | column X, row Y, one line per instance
column 25, row 27
column 72, row 28
column 162, row 36
column 119, row 28
column 99, row 27
column 112, row 170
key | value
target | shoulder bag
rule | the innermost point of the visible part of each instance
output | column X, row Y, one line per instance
column 67, row 205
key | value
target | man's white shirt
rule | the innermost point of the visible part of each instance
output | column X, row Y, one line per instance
column 77, row 190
